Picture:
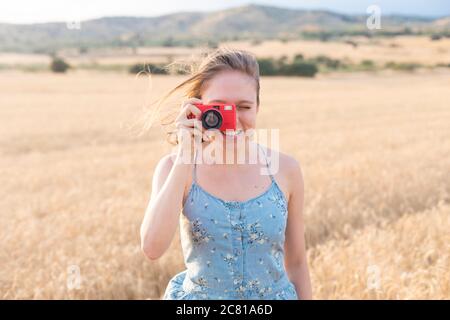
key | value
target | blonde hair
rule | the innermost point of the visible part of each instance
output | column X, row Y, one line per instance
column 204, row 70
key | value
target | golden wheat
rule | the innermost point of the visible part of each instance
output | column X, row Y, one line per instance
column 75, row 183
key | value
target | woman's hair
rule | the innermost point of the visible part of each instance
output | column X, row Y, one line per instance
column 200, row 72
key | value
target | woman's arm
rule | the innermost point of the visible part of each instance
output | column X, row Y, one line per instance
column 169, row 182
column 162, row 213
column 295, row 251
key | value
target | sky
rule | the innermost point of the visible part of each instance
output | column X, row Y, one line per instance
column 32, row 11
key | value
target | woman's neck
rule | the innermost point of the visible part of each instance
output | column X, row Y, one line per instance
column 235, row 152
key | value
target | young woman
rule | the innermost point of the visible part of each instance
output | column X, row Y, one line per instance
column 242, row 232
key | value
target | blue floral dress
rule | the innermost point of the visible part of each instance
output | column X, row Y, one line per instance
column 232, row 250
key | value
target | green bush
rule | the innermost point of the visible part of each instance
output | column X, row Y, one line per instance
column 145, row 68
column 168, row 42
column 59, row 65
column 367, row 65
column 327, row 62
column 283, row 67
column 212, row 44
column 299, row 56
column 299, row 68
column 435, row 37
column 402, row 66
column 445, row 65
column 267, row 67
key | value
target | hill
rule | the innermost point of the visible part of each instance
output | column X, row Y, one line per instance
column 191, row 28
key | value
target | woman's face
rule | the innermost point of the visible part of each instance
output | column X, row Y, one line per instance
column 237, row 88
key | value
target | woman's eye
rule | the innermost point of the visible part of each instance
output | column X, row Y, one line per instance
column 243, row 107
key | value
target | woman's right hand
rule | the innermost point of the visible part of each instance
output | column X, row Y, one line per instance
column 189, row 129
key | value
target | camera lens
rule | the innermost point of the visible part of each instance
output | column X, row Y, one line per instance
column 211, row 119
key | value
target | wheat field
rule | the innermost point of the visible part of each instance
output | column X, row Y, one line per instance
column 374, row 150
column 407, row 49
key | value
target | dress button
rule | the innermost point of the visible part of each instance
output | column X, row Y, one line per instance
column 232, row 205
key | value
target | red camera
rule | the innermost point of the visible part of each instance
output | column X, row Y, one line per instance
column 221, row 116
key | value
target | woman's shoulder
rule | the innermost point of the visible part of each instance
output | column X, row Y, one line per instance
column 167, row 161
column 164, row 165
column 287, row 163
column 289, row 169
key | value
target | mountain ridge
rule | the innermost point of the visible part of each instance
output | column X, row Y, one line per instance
column 190, row 27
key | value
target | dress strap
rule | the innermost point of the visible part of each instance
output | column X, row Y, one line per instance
column 194, row 169
column 267, row 163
